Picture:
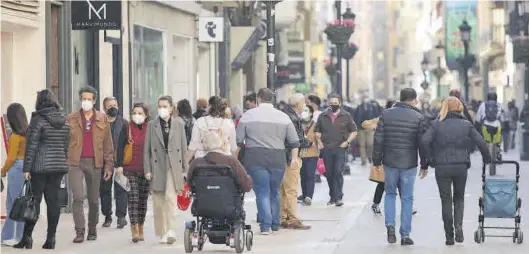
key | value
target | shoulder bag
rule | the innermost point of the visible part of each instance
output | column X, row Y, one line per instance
column 127, row 152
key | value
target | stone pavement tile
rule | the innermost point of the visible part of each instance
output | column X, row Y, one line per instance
column 325, row 222
column 368, row 234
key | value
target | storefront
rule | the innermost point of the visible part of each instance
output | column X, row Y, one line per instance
column 164, row 51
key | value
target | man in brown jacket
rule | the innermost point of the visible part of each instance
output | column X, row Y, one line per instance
column 90, row 148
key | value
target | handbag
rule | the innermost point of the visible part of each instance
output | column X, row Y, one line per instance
column 376, row 176
column 25, row 205
column 127, row 153
column 320, row 166
column 183, row 199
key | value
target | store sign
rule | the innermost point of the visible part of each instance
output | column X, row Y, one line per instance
column 211, row 29
column 456, row 12
column 96, row 15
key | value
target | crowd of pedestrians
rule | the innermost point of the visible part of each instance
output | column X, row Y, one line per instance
column 272, row 149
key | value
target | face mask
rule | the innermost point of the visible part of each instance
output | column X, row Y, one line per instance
column 163, row 112
column 87, row 105
column 334, row 108
column 138, row 119
column 112, row 112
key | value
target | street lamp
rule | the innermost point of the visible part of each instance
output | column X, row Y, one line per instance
column 424, row 68
column 465, row 31
column 349, row 51
column 270, row 38
column 410, row 79
column 439, row 71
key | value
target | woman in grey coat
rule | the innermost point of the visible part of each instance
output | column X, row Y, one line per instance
column 165, row 166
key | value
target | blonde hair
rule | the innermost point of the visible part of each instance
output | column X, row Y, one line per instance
column 449, row 104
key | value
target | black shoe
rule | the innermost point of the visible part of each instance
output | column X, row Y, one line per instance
column 92, row 234
column 449, row 241
column 406, row 241
column 460, row 237
column 108, row 222
column 257, row 218
column 339, row 202
column 317, row 179
column 122, row 222
column 300, row 199
column 25, row 243
column 376, row 209
column 392, row 238
column 331, row 202
column 49, row 244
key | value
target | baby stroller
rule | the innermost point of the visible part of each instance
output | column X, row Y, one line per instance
column 218, row 207
column 500, row 200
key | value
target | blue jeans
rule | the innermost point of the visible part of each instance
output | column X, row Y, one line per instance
column 15, row 181
column 266, row 182
column 405, row 179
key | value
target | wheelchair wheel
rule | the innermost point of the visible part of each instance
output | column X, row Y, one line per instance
column 188, row 245
column 519, row 239
column 249, row 240
column 238, row 237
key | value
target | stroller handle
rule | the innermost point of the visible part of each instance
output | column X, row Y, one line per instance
column 500, row 163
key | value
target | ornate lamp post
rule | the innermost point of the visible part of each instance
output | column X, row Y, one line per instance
column 466, row 62
column 339, row 33
column 439, row 71
column 349, row 51
column 424, row 67
column 270, row 38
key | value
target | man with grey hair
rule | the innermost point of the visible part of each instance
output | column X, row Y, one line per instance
column 291, row 180
column 266, row 133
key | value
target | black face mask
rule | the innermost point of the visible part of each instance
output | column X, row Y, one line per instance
column 112, row 112
column 334, row 108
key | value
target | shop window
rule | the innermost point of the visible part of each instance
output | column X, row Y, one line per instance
column 148, row 57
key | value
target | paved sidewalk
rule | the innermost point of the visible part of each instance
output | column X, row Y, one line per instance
column 368, row 234
column 327, row 223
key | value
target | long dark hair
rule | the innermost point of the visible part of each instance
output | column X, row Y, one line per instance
column 16, row 116
column 46, row 99
column 184, row 108
column 217, row 108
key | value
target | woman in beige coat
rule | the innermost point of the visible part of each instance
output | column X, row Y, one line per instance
column 165, row 166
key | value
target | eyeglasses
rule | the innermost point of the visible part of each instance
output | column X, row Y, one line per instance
column 88, row 125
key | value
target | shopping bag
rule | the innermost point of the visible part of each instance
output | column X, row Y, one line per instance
column 24, row 206
column 377, row 175
column 183, row 199
column 320, row 166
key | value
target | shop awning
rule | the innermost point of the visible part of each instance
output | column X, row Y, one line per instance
column 249, row 48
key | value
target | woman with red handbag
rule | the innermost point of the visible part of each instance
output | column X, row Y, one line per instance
column 130, row 163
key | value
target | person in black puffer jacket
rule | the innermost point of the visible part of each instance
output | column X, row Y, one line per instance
column 447, row 145
column 397, row 141
column 45, row 162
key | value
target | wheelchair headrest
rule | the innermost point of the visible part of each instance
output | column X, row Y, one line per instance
column 213, row 169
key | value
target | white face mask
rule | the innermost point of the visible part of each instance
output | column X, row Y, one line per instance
column 163, row 112
column 87, row 105
column 138, row 119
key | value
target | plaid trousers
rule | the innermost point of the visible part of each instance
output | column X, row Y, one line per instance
column 138, row 196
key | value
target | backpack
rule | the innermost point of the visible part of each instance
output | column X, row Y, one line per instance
column 491, row 111
column 188, row 127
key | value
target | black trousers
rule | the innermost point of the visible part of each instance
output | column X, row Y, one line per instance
column 105, row 192
column 379, row 191
column 49, row 185
column 308, row 175
column 453, row 205
column 334, row 160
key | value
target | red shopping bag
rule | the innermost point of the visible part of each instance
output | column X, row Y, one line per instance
column 320, row 166
column 183, row 199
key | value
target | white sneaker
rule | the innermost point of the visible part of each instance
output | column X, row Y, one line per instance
column 265, row 233
column 171, row 237
column 163, row 239
column 10, row 242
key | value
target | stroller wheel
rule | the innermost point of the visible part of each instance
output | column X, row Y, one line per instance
column 249, row 240
column 519, row 239
column 188, row 245
column 478, row 236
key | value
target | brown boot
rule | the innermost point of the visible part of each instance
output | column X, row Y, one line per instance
column 79, row 235
column 134, row 230
column 92, row 234
column 298, row 225
column 140, row 232
column 284, row 224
